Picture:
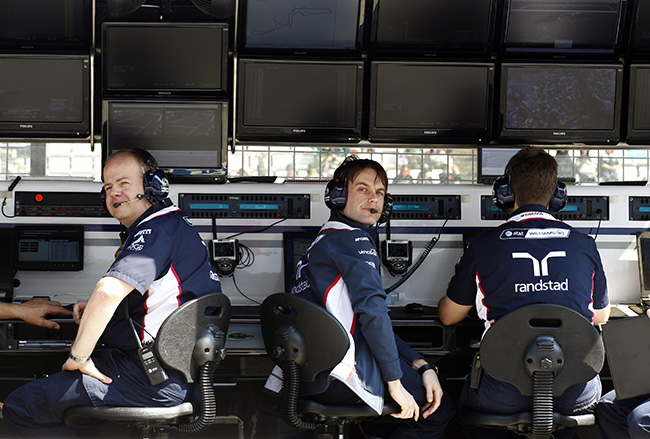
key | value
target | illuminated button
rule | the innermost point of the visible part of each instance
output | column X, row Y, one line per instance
column 38, row 198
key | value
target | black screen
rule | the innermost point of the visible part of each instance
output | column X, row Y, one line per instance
column 305, row 24
column 433, row 25
column 640, row 41
column 45, row 95
column 641, row 111
column 51, row 247
column 166, row 57
column 294, row 97
column 45, row 24
column 563, row 26
column 180, row 135
column 560, row 97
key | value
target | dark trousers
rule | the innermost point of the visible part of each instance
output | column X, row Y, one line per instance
column 497, row 397
column 432, row 427
column 623, row 418
column 37, row 408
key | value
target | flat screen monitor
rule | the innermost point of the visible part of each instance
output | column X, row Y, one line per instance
column 45, row 25
column 299, row 100
column 561, row 103
column 188, row 139
column 294, row 245
column 431, row 102
column 164, row 59
column 643, row 254
column 433, row 27
column 45, row 96
column 492, row 161
column 589, row 27
column 640, row 33
column 49, row 248
column 638, row 122
column 301, row 27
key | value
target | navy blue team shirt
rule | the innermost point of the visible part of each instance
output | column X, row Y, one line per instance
column 168, row 264
column 531, row 258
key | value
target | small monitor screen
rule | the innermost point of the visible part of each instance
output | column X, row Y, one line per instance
column 300, row 98
column 183, row 137
column 49, row 248
column 426, row 99
column 300, row 24
column 45, row 24
column 164, row 58
column 44, row 94
column 561, row 102
column 573, row 26
column 492, row 162
column 444, row 26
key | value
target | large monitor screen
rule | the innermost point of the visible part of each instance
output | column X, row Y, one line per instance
column 449, row 27
column 434, row 102
column 560, row 103
column 188, row 139
column 638, row 121
column 574, row 26
column 301, row 26
column 164, row 58
column 44, row 96
column 640, row 36
column 33, row 25
column 307, row 100
column 49, row 248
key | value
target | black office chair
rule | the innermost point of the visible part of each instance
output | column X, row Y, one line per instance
column 304, row 339
column 542, row 350
column 191, row 340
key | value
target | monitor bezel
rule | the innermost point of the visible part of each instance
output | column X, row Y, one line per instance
column 174, row 174
column 220, row 91
column 81, row 46
column 32, row 129
column 431, row 135
column 560, row 135
column 635, row 136
column 431, row 50
column 76, row 233
column 509, row 51
column 244, row 49
column 292, row 133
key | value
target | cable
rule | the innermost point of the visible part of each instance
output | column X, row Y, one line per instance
column 4, row 203
column 420, row 260
column 9, row 189
column 264, row 228
column 246, row 256
column 234, row 281
column 600, row 220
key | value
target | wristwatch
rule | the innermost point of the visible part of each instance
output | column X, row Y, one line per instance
column 427, row 366
column 77, row 359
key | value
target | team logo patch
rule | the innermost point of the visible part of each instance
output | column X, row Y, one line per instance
column 535, row 234
column 137, row 245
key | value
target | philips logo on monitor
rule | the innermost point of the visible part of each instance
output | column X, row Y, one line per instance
column 27, row 126
column 432, row 132
column 298, row 131
column 559, row 133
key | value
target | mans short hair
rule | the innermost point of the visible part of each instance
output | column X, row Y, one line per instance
column 353, row 166
column 144, row 158
column 533, row 176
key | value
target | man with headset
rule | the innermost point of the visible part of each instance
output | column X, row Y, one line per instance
column 161, row 264
column 340, row 271
column 531, row 258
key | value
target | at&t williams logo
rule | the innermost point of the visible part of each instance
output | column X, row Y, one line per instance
column 540, row 269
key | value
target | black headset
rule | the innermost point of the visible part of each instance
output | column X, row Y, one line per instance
column 336, row 194
column 503, row 196
column 154, row 180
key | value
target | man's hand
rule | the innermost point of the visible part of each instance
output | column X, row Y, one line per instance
column 78, row 311
column 34, row 312
column 87, row 368
column 405, row 400
column 434, row 392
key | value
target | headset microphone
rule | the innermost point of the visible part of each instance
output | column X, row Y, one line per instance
column 374, row 211
column 137, row 198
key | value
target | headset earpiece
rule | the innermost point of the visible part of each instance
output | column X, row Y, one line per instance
column 502, row 195
column 336, row 194
column 558, row 202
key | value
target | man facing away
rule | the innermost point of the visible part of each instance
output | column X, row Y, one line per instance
column 531, row 258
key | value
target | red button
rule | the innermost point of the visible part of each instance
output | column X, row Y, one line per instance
column 38, row 198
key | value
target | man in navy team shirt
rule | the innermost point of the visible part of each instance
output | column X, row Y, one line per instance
column 531, row 258
column 162, row 264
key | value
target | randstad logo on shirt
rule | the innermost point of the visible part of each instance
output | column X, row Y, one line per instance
column 541, row 285
column 541, row 269
column 535, row 234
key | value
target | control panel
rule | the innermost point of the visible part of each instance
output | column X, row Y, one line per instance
column 245, row 205
column 639, row 209
column 578, row 208
column 426, row 207
column 69, row 204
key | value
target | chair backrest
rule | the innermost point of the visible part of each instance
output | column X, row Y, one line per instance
column 322, row 340
column 506, row 349
column 193, row 334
